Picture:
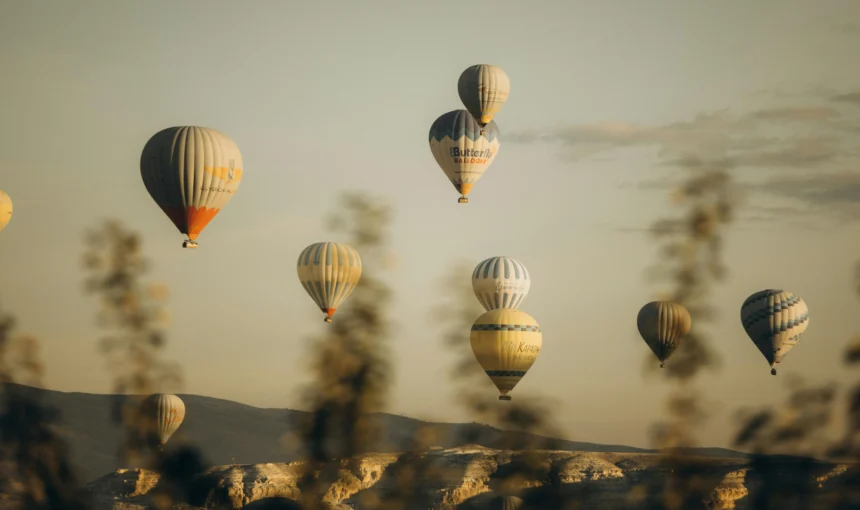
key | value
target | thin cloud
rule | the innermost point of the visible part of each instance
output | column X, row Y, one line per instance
column 797, row 114
column 814, row 139
column 847, row 28
column 850, row 97
column 832, row 194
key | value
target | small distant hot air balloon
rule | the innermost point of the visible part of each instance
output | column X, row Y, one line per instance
column 463, row 149
column 663, row 325
column 165, row 413
column 329, row 272
column 484, row 88
column 500, row 282
column 5, row 209
column 506, row 343
column 508, row 503
column 191, row 173
column 774, row 321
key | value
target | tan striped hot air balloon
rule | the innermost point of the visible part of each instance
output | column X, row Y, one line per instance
column 165, row 413
column 484, row 88
column 663, row 325
column 5, row 209
column 329, row 272
column 509, row 503
column 191, row 173
column 506, row 343
column 774, row 321
column 463, row 149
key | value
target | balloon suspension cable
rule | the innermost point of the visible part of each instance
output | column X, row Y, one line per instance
column 463, row 200
column 504, row 397
column 327, row 319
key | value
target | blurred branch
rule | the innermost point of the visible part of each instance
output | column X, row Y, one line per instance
column 133, row 314
column 34, row 460
column 351, row 367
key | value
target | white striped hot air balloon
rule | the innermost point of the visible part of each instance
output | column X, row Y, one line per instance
column 500, row 282
column 506, row 343
column 484, row 88
column 463, row 149
column 191, row 173
column 774, row 321
column 663, row 325
column 329, row 272
column 5, row 209
column 165, row 413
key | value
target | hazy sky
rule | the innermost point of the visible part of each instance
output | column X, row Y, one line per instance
column 323, row 97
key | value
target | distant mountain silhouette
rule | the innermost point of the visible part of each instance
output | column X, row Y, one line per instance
column 231, row 433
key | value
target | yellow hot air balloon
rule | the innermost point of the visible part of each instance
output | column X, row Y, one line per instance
column 191, row 173
column 5, row 209
column 663, row 324
column 165, row 413
column 462, row 149
column 774, row 321
column 329, row 272
column 506, row 343
column 484, row 88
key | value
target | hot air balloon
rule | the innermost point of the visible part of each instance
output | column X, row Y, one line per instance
column 484, row 88
column 329, row 272
column 191, row 173
column 165, row 413
column 774, row 321
column 508, row 503
column 506, row 343
column 663, row 324
column 462, row 149
column 5, row 209
column 500, row 282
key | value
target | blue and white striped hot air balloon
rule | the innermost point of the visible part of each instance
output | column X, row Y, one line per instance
column 774, row 321
column 500, row 282
column 463, row 149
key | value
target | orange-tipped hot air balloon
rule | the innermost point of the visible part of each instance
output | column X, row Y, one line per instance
column 191, row 172
column 329, row 272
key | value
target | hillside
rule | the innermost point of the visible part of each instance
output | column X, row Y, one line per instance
column 231, row 433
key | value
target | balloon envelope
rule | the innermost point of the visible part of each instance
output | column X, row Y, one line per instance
column 463, row 149
column 5, row 209
column 500, row 282
column 166, row 412
column 329, row 272
column 510, row 503
column 506, row 343
column 191, row 173
column 774, row 321
column 663, row 325
column 484, row 88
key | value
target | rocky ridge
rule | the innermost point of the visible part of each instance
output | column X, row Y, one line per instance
column 461, row 478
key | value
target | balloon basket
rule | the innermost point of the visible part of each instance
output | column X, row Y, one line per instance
column 504, row 397
column 463, row 200
column 772, row 371
column 188, row 243
column 327, row 319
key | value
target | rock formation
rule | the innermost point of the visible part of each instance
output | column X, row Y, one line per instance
column 455, row 478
